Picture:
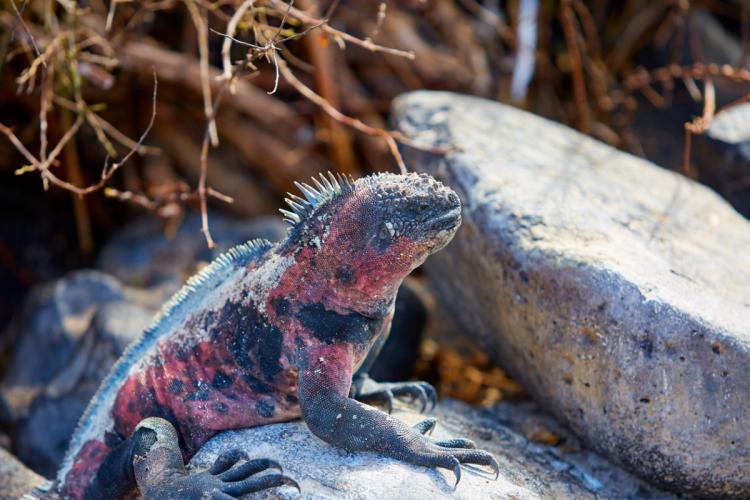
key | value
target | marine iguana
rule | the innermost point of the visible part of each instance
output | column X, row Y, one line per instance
column 268, row 333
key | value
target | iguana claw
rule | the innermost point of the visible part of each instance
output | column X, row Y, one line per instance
column 161, row 474
column 231, row 476
column 465, row 449
column 369, row 391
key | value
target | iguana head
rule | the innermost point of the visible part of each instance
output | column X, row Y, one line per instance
column 363, row 237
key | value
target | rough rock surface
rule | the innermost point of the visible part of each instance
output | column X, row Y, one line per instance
column 617, row 292
column 527, row 470
column 15, row 478
column 69, row 333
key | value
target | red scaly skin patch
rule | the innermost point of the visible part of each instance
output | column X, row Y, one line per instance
column 331, row 366
column 201, row 393
column 373, row 274
column 87, row 462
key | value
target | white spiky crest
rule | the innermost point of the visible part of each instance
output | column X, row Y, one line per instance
column 326, row 188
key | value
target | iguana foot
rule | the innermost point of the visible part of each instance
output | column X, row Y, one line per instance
column 231, row 476
column 426, row 426
column 450, row 453
column 161, row 475
column 368, row 391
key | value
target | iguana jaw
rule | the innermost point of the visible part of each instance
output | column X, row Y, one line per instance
column 445, row 226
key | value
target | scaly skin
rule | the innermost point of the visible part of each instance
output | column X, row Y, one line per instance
column 269, row 334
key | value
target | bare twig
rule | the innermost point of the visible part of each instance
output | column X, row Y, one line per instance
column 341, row 35
column 43, row 166
column 202, row 193
column 19, row 19
column 639, row 78
column 176, row 68
column 391, row 137
column 226, row 46
column 699, row 124
column 579, row 84
column 143, row 136
column 337, row 137
column 163, row 206
column 47, row 92
column 73, row 172
column 111, row 130
column 201, row 28
column 379, row 21
column 110, row 15
column 27, row 76
column 268, row 49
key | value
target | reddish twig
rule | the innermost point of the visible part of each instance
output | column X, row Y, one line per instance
column 201, row 27
column 391, row 137
column 699, row 124
column 579, row 85
column 339, row 35
column 43, row 166
column 641, row 77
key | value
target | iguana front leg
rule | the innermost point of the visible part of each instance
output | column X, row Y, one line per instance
column 369, row 391
column 151, row 459
column 324, row 384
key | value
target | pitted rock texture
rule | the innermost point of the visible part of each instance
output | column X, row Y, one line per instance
column 527, row 470
column 15, row 479
column 617, row 292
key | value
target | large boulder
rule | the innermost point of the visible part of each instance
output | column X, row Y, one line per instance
column 528, row 470
column 617, row 292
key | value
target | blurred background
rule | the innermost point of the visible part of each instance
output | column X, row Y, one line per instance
column 137, row 136
column 77, row 81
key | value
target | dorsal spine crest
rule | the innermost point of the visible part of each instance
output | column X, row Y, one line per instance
column 196, row 287
column 327, row 187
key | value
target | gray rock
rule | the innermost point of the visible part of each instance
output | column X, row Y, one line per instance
column 141, row 254
column 616, row 292
column 69, row 333
column 527, row 470
column 56, row 317
column 15, row 478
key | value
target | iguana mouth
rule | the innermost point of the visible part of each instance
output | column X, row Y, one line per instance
column 447, row 220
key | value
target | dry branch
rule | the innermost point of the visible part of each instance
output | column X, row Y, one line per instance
column 176, row 68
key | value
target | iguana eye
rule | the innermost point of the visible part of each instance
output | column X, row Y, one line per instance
column 422, row 207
